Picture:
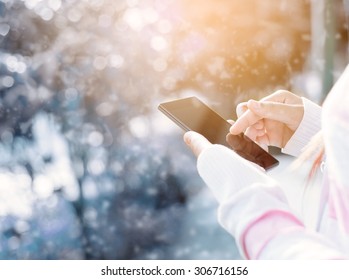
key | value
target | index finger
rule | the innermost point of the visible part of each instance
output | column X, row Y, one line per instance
column 246, row 120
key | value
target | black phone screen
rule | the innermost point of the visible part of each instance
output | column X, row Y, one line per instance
column 192, row 114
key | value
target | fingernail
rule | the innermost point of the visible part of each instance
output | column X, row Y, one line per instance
column 187, row 137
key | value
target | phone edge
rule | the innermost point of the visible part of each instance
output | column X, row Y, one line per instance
column 172, row 118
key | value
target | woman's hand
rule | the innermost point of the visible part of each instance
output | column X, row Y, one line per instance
column 223, row 170
column 270, row 121
column 196, row 142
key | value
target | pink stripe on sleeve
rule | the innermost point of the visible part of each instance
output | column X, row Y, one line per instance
column 263, row 229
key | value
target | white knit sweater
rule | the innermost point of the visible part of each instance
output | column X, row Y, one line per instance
column 253, row 208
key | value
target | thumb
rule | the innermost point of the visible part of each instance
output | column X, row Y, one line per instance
column 196, row 142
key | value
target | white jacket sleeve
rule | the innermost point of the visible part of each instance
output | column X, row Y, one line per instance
column 255, row 211
column 309, row 126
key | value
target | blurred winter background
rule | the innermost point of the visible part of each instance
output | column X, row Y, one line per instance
column 89, row 169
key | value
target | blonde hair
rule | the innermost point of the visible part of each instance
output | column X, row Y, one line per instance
column 313, row 151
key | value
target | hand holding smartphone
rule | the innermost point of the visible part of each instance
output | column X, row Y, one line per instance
column 191, row 114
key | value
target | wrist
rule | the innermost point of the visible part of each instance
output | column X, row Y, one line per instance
column 308, row 127
column 225, row 172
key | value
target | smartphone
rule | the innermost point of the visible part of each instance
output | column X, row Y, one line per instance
column 191, row 114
